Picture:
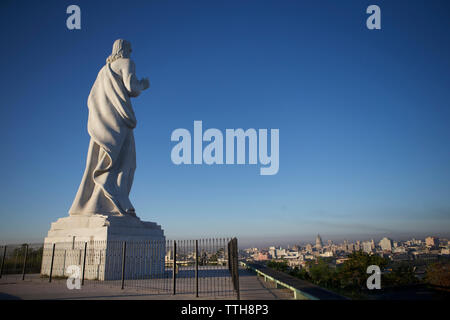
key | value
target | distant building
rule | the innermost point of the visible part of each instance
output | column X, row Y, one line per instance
column 280, row 253
column 358, row 246
column 169, row 256
column 431, row 242
column 400, row 257
column 319, row 243
column 291, row 254
column 299, row 263
column 429, row 257
column 367, row 246
column 272, row 252
column 399, row 250
column 327, row 254
column 262, row 257
column 350, row 247
column 386, row 244
column 414, row 242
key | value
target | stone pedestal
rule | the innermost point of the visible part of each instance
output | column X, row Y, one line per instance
column 97, row 242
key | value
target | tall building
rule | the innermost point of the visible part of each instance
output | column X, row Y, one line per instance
column 272, row 252
column 350, row 247
column 280, row 253
column 431, row 242
column 386, row 244
column 319, row 243
column 367, row 246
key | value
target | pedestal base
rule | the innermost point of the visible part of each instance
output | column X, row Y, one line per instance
column 103, row 237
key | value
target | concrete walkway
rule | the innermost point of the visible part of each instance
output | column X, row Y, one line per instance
column 252, row 287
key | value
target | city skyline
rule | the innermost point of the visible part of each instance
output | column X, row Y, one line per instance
column 385, row 244
column 247, row 243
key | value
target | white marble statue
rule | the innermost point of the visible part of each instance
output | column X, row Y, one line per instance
column 111, row 159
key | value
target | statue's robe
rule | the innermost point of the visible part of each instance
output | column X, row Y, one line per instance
column 111, row 159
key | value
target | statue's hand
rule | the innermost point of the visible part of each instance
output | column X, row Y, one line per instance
column 145, row 83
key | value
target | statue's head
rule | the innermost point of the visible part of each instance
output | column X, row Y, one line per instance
column 121, row 49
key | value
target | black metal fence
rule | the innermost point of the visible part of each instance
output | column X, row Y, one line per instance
column 233, row 265
column 20, row 259
column 206, row 267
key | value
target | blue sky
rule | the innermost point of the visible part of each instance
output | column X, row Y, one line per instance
column 363, row 115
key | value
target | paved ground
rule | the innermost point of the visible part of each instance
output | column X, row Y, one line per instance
column 254, row 287
column 34, row 288
column 302, row 285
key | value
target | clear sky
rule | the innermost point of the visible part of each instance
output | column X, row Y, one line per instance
column 364, row 115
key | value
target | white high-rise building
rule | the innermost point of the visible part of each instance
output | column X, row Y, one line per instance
column 431, row 242
column 367, row 246
column 280, row 253
column 386, row 244
column 272, row 252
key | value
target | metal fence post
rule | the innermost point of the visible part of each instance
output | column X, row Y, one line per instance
column 3, row 261
column 51, row 264
column 124, row 252
column 196, row 268
column 236, row 266
column 229, row 255
column 84, row 263
column 174, row 276
column 25, row 262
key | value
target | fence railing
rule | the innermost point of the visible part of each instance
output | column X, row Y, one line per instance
column 20, row 259
column 205, row 267
column 302, row 290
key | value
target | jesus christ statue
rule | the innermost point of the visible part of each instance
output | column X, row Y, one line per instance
column 111, row 158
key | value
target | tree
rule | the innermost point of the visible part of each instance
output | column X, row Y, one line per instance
column 401, row 275
column 353, row 272
column 280, row 266
column 438, row 274
column 321, row 273
column 300, row 273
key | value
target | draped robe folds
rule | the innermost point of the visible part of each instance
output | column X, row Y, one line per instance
column 111, row 159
